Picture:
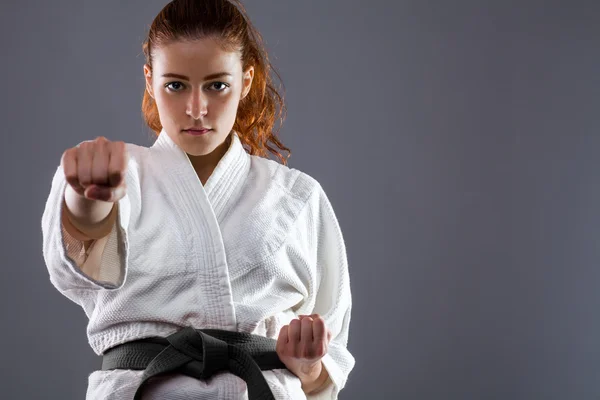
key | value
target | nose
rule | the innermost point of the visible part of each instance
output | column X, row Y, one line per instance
column 197, row 105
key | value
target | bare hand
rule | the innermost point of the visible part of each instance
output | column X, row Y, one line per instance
column 302, row 344
column 95, row 169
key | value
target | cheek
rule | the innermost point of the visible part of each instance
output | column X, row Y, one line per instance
column 169, row 107
column 226, row 107
column 232, row 107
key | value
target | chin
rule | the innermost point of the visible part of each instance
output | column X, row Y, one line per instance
column 200, row 145
column 198, row 150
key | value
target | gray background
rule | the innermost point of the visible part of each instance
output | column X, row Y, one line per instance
column 457, row 141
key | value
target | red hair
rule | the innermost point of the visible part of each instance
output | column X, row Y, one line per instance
column 227, row 21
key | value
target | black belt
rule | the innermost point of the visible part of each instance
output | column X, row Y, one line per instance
column 200, row 354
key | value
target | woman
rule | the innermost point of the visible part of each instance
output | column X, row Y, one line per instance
column 201, row 231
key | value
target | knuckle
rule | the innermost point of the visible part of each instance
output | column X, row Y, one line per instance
column 118, row 147
column 100, row 146
column 66, row 158
column 69, row 152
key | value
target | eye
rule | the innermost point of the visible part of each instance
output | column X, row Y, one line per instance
column 218, row 86
column 174, row 86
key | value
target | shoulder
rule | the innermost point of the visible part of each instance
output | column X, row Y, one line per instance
column 137, row 154
column 291, row 181
column 138, row 158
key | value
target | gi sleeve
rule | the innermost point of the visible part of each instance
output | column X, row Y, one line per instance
column 318, row 245
column 76, row 268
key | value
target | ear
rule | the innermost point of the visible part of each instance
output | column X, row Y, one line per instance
column 148, row 77
column 247, row 81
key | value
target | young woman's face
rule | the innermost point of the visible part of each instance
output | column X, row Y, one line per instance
column 197, row 86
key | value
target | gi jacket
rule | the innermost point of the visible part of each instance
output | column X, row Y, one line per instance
column 250, row 250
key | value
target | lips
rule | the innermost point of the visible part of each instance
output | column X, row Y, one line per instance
column 197, row 131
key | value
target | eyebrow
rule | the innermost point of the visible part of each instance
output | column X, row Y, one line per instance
column 206, row 78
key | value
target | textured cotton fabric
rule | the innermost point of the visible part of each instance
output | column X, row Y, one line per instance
column 250, row 250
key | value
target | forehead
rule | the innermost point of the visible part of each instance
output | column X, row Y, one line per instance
column 196, row 58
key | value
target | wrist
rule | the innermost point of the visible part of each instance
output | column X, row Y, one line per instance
column 88, row 230
column 313, row 378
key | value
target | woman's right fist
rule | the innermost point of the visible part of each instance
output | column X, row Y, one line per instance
column 95, row 169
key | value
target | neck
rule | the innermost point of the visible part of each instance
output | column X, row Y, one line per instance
column 205, row 165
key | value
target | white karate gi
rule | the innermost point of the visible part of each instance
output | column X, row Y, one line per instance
column 256, row 246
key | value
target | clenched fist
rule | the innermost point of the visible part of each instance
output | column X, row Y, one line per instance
column 95, row 169
column 301, row 345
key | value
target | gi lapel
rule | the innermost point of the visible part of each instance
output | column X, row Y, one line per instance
column 198, row 207
column 227, row 180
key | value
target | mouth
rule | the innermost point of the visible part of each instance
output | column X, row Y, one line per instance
column 197, row 131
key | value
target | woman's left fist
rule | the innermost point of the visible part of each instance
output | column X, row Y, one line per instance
column 302, row 344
